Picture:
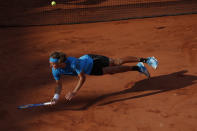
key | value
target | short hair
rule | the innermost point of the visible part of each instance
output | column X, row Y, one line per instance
column 60, row 56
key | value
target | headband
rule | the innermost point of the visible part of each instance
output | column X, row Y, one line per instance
column 54, row 60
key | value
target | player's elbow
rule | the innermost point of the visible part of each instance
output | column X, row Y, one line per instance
column 82, row 77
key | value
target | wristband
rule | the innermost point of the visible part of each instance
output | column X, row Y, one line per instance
column 56, row 96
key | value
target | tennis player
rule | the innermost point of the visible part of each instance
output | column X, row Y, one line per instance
column 92, row 64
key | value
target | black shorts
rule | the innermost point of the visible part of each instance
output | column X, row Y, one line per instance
column 99, row 62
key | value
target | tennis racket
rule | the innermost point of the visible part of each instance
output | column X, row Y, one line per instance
column 34, row 105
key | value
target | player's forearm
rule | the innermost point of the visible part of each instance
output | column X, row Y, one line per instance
column 58, row 90
column 79, row 84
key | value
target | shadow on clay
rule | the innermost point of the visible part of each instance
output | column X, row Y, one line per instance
column 157, row 84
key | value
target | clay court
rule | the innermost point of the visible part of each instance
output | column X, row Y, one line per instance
column 120, row 102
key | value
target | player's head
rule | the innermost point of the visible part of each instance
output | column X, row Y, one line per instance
column 57, row 59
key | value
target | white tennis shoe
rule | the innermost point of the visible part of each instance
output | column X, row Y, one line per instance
column 142, row 69
column 152, row 61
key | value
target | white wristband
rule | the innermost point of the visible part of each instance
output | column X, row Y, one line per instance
column 56, row 96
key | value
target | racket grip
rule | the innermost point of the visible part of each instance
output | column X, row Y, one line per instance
column 47, row 103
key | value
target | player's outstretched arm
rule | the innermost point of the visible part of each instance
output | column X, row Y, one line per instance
column 58, row 90
column 81, row 81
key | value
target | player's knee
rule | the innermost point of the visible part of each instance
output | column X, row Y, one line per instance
column 115, row 62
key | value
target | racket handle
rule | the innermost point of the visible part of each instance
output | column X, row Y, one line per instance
column 47, row 103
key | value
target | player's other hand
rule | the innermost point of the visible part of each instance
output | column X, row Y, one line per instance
column 70, row 95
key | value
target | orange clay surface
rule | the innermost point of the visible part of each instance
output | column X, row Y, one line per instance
column 120, row 102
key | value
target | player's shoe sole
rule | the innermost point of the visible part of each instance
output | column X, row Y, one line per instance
column 142, row 69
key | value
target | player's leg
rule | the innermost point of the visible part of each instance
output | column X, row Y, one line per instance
column 101, row 66
column 128, row 59
column 152, row 61
column 120, row 69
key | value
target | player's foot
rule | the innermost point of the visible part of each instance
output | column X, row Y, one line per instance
column 142, row 69
column 152, row 61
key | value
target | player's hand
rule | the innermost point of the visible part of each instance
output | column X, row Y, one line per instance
column 70, row 95
column 53, row 101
